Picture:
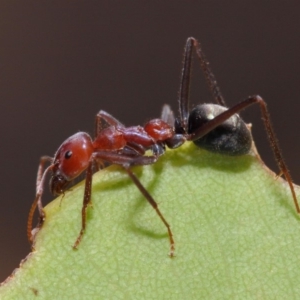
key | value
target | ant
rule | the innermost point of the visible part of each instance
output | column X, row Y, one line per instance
column 213, row 127
column 114, row 144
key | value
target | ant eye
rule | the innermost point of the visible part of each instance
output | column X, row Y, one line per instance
column 68, row 154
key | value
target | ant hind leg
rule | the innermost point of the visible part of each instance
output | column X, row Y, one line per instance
column 184, row 91
column 218, row 120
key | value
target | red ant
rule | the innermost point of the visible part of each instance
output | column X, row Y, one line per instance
column 210, row 126
column 115, row 144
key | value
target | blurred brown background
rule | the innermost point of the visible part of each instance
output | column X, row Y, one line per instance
column 61, row 63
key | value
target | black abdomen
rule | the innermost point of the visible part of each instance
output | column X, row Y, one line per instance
column 230, row 138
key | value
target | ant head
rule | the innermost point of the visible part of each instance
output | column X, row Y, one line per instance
column 70, row 160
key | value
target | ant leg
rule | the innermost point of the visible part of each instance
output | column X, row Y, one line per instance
column 153, row 203
column 104, row 120
column 210, row 125
column 114, row 158
column 40, row 180
column 186, row 78
column 209, row 76
column 86, row 202
column 184, row 90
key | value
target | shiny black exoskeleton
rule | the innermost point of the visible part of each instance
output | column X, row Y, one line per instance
column 232, row 137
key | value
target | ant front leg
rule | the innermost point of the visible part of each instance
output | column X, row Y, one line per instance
column 219, row 119
column 40, row 180
column 153, row 203
column 86, row 202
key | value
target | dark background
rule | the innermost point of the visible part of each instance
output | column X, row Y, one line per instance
column 61, row 63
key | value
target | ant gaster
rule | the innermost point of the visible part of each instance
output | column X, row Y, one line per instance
column 210, row 126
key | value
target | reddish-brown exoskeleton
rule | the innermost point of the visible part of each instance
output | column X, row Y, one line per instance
column 210, row 126
column 114, row 144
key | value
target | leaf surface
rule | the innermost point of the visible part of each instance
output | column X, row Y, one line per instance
column 235, row 228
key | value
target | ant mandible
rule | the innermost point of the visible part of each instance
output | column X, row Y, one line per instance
column 210, row 126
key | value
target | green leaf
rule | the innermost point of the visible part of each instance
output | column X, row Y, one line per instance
column 235, row 229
